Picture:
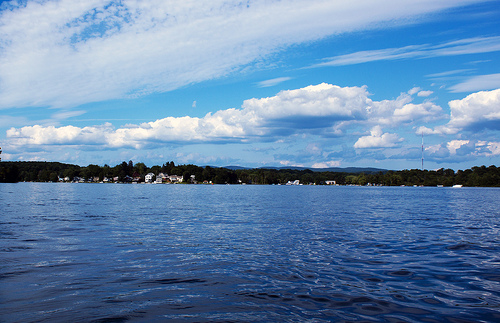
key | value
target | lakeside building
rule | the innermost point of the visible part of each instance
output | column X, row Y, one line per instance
column 149, row 178
column 176, row 178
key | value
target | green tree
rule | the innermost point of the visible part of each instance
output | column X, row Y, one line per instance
column 141, row 169
column 9, row 173
column 53, row 177
column 155, row 170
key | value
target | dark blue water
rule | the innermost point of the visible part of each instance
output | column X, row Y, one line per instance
column 116, row 253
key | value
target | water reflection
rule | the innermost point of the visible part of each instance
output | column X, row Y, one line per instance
column 84, row 252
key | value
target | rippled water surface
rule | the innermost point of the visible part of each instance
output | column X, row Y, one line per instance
column 113, row 253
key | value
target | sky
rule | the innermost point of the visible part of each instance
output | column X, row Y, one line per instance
column 316, row 83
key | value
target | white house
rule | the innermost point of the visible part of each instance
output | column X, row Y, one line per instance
column 176, row 178
column 149, row 178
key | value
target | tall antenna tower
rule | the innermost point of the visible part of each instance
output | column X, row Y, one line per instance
column 422, row 150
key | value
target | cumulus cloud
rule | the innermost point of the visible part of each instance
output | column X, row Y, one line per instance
column 455, row 145
column 493, row 148
column 401, row 110
column 476, row 111
column 317, row 109
column 327, row 164
column 457, row 150
column 256, row 118
column 378, row 139
column 66, row 53
column 422, row 130
column 323, row 100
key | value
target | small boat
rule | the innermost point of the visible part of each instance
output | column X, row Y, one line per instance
column 457, row 186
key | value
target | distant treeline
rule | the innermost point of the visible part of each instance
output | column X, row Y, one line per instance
column 12, row 172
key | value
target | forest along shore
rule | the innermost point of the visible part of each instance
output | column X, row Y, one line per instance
column 12, row 172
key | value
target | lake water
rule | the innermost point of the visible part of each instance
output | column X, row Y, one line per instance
column 185, row 253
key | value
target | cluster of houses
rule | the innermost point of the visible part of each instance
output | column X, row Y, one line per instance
column 149, row 178
column 297, row 182
column 163, row 178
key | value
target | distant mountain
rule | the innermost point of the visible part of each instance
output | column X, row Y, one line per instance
column 336, row 169
column 235, row 167
column 367, row 170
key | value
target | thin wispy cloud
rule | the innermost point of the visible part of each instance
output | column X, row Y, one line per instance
column 273, row 82
column 459, row 47
column 448, row 73
column 477, row 83
column 67, row 53
column 425, row 93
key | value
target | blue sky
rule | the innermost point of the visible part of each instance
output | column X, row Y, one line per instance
column 251, row 83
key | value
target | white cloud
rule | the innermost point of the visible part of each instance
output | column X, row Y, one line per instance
column 70, row 52
column 290, row 163
column 454, row 145
column 309, row 113
column 327, row 164
column 476, row 110
column 425, row 111
column 317, row 101
column 425, row 93
column 323, row 110
column 459, row 47
column 458, row 150
column 273, row 82
column 256, row 118
column 478, row 83
column 448, row 73
column 414, row 90
column 378, row 139
column 373, row 55
column 401, row 110
column 50, row 135
column 428, row 131
column 494, row 148
column 67, row 114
